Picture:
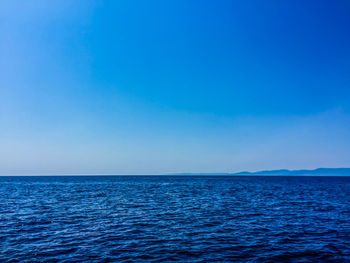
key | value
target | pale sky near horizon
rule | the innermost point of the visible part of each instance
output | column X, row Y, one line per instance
column 153, row 87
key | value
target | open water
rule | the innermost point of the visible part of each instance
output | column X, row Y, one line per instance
column 174, row 218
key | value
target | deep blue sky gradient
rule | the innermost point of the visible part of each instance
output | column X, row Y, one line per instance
column 124, row 87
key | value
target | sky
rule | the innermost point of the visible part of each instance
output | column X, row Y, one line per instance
column 157, row 87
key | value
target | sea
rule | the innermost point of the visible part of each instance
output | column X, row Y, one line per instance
column 174, row 218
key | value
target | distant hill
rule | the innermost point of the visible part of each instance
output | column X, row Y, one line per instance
column 319, row 172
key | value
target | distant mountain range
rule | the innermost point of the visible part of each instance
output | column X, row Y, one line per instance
column 319, row 172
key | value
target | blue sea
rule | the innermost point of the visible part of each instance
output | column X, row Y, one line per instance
column 174, row 218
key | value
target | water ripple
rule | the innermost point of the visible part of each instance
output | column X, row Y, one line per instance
column 191, row 219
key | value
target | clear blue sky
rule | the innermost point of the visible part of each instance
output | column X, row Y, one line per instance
column 151, row 87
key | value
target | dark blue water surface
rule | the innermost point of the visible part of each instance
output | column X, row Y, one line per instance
column 189, row 219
